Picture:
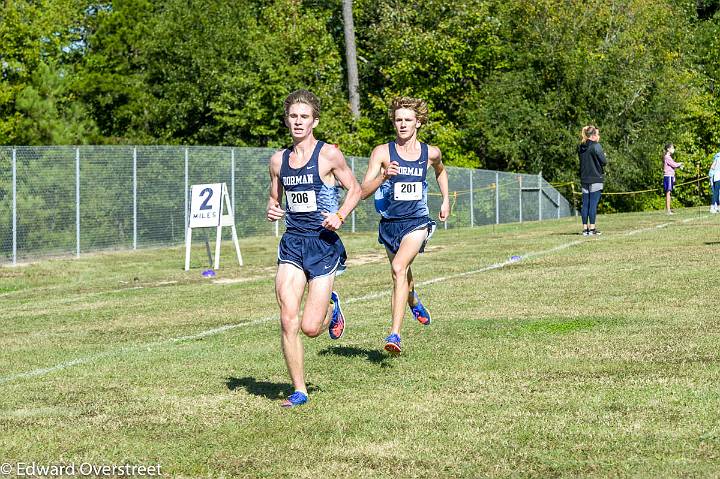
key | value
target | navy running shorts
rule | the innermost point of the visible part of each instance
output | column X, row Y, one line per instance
column 392, row 231
column 317, row 256
column 668, row 183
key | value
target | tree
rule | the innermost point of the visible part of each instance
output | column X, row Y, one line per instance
column 437, row 50
column 219, row 71
column 351, row 58
column 48, row 114
column 40, row 41
column 112, row 72
column 619, row 65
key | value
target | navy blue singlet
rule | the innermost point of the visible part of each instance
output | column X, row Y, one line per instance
column 405, row 194
column 306, row 196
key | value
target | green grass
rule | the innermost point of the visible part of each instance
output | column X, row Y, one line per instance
column 590, row 357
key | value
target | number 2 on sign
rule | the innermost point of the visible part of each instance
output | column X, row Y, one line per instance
column 205, row 205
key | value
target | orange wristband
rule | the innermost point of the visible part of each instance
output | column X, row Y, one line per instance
column 342, row 220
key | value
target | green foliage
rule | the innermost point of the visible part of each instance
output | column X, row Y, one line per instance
column 49, row 113
column 435, row 50
column 112, row 80
column 39, row 43
column 222, row 80
column 509, row 84
column 614, row 66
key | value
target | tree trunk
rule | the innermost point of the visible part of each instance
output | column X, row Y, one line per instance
column 351, row 59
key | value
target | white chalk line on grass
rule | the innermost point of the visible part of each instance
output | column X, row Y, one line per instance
column 645, row 230
column 146, row 346
column 223, row 282
column 229, row 327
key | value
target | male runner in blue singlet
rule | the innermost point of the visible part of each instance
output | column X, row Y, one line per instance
column 396, row 174
column 310, row 252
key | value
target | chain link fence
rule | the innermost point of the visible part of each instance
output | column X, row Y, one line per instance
column 64, row 200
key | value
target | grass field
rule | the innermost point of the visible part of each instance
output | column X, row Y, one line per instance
column 591, row 357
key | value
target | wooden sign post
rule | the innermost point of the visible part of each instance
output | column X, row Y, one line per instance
column 210, row 207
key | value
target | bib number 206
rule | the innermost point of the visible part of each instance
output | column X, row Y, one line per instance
column 301, row 201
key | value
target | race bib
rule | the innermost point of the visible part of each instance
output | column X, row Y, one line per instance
column 301, row 201
column 411, row 191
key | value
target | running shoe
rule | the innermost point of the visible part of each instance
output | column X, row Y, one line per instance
column 586, row 233
column 420, row 312
column 298, row 398
column 337, row 322
column 392, row 344
column 595, row 232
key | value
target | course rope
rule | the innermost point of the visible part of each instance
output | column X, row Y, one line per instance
column 659, row 188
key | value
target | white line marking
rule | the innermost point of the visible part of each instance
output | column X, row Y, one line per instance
column 499, row 265
column 229, row 327
column 146, row 346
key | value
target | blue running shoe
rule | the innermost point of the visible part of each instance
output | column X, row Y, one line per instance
column 337, row 322
column 420, row 312
column 392, row 344
column 298, row 398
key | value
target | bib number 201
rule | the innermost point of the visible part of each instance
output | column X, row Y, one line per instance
column 410, row 191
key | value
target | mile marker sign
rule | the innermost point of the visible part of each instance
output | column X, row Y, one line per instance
column 205, row 203
column 210, row 207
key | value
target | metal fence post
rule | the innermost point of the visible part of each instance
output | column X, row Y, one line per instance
column 14, row 207
column 520, row 196
column 163, row 227
column 134, row 197
column 276, row 224
column 185, row 212
column 572, row 189
column 497, row 198
column 232, row 178
column 540, row 196
column 352, row 215
column 77, row 201
column 472, row 211
column 558, row 204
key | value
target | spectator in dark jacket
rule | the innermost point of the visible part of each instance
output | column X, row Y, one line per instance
column 592, row 175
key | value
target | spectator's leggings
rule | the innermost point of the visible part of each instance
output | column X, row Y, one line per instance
column 589, row 207
column 716, row 193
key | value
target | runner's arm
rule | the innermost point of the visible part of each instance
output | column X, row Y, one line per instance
column 274, row 211
column 379, row 169
column 343, row 174
column 441, row 176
